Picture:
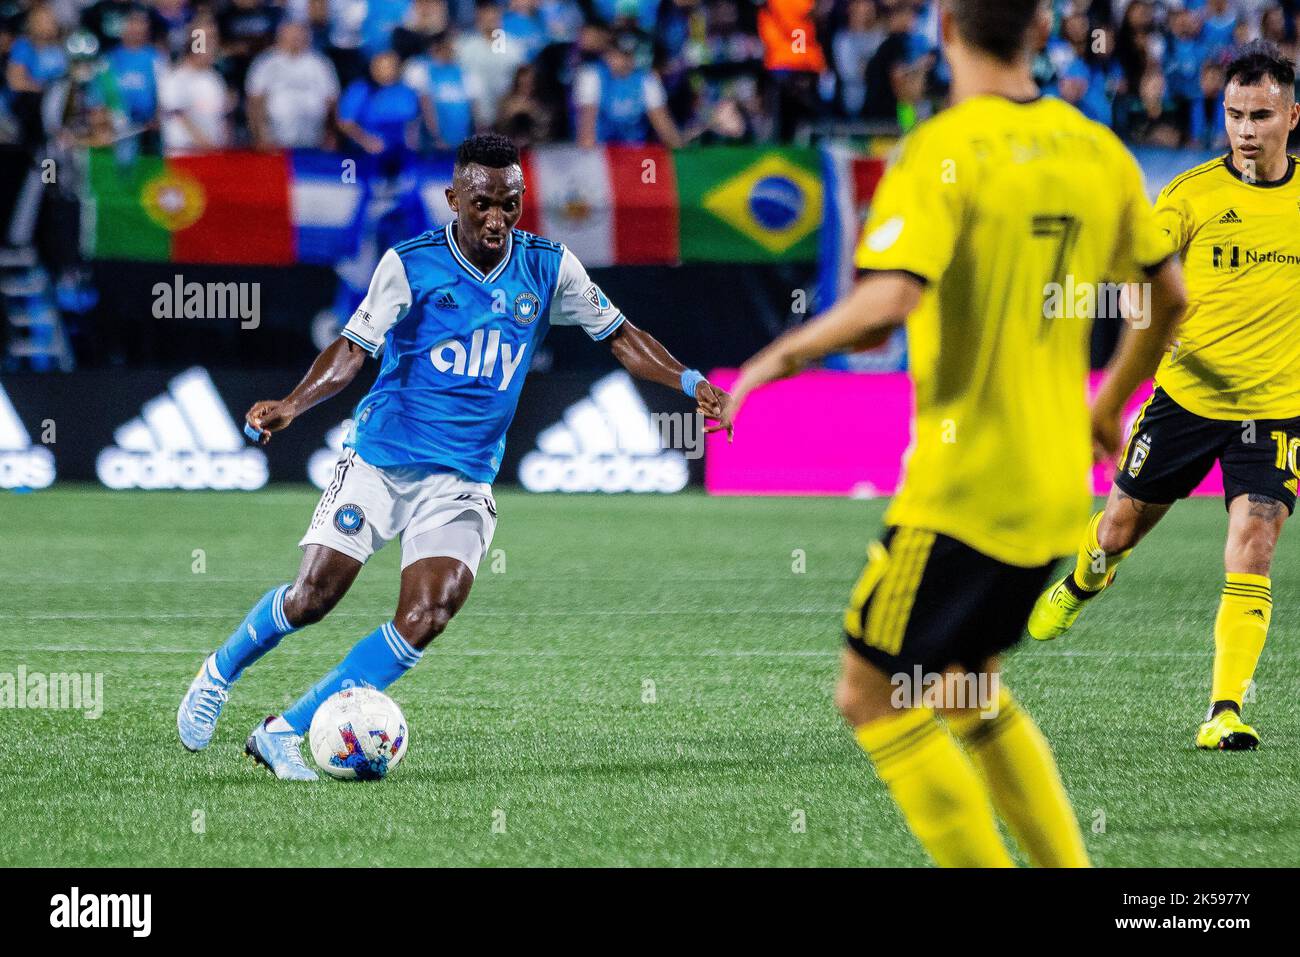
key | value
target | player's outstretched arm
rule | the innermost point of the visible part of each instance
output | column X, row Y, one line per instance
column 329, row 375
column 877, row 306
column 645, row 357
column 1139, row 353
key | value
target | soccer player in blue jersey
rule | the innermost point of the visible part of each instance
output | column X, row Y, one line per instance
column 459, row 313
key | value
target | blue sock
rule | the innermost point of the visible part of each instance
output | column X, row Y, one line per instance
column 257, row 634
column 376, row 661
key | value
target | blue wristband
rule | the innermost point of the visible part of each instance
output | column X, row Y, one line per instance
column 691, row 378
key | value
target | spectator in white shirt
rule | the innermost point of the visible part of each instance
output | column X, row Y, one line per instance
column 292, row 90
column 193, row 99
column 489, row 57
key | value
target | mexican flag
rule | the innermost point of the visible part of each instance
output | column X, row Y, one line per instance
column 612, row 205
column 234, row 207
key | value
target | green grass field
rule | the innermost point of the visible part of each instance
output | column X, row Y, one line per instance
column 529, row 711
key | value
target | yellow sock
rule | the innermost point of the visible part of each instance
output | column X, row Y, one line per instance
column 1240, row 628
column 1017, row 765
column 936, row 788
column 1093, row 567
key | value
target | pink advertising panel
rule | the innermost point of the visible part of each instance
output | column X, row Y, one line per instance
column 836, row 433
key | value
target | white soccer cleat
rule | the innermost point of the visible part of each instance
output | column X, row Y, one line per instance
column 196, row 719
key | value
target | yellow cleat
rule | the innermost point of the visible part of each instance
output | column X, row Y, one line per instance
column 1227, row 732
column 1055, row 611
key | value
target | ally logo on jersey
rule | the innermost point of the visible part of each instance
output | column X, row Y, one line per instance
column 455, row 342
column 480, row 360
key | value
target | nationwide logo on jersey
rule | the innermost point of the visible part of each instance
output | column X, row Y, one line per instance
column 184, row 438
column 1227, row 258
column 1230, row 218
column 446, row 301
column 22, row 464
column 605, row 443
column 527, row 307
column 775, row 202
column 349, row 519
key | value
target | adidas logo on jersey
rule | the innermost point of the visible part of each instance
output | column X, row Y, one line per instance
column 605, row 443
column 184, row 438
column 446, row 301
column 1230, row 218
column 22, row 464
column 480, row 359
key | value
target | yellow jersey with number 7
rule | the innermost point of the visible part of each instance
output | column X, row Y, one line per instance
column 1018, row 217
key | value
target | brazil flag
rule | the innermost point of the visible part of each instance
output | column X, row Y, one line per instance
column 748, row 204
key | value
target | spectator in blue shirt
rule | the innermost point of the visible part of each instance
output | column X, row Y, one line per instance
column 523, row 23
column 382, row 18
column 134, row 67
column 379, row 113
column 1183, row 57
column 37, row 58
column 1207, row 122
column 617, row 101
column 1220, row 25
column 446, row 92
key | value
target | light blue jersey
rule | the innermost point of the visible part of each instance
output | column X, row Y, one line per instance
column 457, row 345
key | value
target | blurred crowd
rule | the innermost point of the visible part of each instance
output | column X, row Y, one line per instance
column 385, row 77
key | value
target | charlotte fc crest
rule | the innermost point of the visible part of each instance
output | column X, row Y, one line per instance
column 527, row 306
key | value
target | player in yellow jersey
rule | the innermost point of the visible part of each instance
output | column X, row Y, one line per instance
column 989, row 206
column 1229, row 389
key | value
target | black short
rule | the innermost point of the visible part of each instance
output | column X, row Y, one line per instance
column 927, row 599
column 1170, row 450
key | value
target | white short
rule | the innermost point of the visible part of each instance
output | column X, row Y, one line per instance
column 439, row 514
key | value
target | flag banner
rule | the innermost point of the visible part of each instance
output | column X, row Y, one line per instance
column 328, row 206
column 613, row 205
column 235, row 207
column 749, row 204
column 230, row 207
column 616, row 205
column 429, row 179
column 850, row 176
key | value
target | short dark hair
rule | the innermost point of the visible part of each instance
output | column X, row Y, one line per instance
column 999, row 28
column 487, row 149
column 1257, row 60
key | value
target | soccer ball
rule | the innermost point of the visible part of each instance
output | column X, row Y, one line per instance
column 358, row 734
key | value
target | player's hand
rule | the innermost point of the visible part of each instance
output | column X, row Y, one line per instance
column 269, row 416
column 1107, row 432
column 711, row 402
column 768, row 366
